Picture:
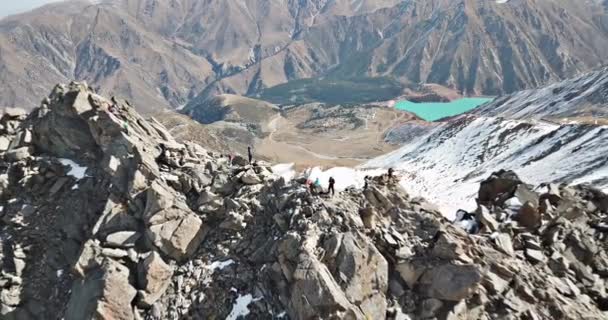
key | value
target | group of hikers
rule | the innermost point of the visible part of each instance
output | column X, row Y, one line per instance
column 315, row 186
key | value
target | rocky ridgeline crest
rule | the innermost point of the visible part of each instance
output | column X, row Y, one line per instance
column 106, row 216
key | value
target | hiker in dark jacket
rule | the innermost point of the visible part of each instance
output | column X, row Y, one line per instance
column 331, row 189
column 366, row 179
column 250, row 154
column 390, row 173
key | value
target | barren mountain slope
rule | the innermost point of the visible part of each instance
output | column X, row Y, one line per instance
column 308, row 135
column 164, row 53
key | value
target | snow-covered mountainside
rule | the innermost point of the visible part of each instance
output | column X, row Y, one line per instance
column 583, row 98
column 556, row 133
column 447, row 164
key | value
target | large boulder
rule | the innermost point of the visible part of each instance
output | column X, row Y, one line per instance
column 499, row 187
column 450, row 282
column 315, row 293
column 154, row 276
column 364, row 274
column 528, row 216
column 105, row 294
column 171, row 225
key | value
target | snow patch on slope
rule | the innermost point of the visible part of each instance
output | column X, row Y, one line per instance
column 77, row 171
column 345, row 177
column 447, row 165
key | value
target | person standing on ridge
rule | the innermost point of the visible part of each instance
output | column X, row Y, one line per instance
column 390, row 173
column 250, row 154
column 331, row 188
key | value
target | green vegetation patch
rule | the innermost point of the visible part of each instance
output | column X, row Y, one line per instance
column 333, row 91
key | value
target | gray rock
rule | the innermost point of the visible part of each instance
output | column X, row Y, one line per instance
column 122, row 239
column 451, row 282
column 535, row 256
column 223, row 185
column 485, row 217
column 114, row 253
column 154, row 277
column 448, row 247
column 411, row 271
column 504, row 243
column 15, row 112
column 430, row 307
column 172, row 226
column 105, row 293
column 528, row 216
column 494, row 283
column 250, row 178
column 10, row 296
column 240, row 161
column 18, row 154
column 233, row 221
column 364, row 274
column 4, row 143
column 315, row 293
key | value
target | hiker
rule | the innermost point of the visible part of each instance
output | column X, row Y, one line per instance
column 309, row 186
column 390, row 173
column 317, row 182
column 366, row 179
column 250, row 154
column 331, row 188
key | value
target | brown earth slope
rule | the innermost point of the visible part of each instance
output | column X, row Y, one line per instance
column 165, row 53
column 308, row 135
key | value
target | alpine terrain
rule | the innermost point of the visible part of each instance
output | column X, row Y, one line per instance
column 556, row 133
column 165, row 54
column 106, row 216
column 252, row 159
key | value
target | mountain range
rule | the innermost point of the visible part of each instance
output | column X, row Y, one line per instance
column 165, row 54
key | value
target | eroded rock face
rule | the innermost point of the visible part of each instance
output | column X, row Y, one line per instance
column 451, row 282
column 110, row 282
column 154, row 276
column 315, row 292
column 135, row 225
column 171, row 225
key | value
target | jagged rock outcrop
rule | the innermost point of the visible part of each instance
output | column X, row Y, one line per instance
column 112, row 221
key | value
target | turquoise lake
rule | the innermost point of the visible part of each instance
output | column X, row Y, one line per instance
column 432, row 111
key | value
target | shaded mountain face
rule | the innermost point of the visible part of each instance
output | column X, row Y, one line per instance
column 165, row 53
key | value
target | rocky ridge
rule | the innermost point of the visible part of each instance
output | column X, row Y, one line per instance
column 106, row 216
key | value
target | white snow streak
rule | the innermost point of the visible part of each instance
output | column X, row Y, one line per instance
column 77, row 171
